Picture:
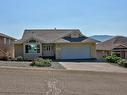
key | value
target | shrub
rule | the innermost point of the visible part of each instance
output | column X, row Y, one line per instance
column 39, row 62
column 123, row 62
column 19, row 58
column 112, row 58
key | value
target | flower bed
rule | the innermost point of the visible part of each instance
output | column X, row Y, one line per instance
column 39, row 62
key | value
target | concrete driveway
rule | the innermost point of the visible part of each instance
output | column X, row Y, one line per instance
column 93, row 66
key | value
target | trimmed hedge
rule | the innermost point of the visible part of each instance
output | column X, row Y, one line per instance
column 39, row 62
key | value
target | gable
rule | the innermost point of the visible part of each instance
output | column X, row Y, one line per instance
column 75, row 34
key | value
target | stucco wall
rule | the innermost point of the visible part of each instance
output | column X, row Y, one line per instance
column 18, row 50
column 61, row 45
column 1, row 40
column 11, row 51
column 101, row 53
column 126, row 54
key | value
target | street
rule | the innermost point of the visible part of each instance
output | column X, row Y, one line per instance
column 61, row 82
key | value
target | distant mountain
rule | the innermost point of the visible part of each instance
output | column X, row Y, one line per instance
column 102, row 38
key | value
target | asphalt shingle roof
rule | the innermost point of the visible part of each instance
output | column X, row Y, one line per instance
column 112, row 43
column 3, row 35
column 53, row 36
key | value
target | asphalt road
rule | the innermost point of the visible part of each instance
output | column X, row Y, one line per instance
column 61, row 82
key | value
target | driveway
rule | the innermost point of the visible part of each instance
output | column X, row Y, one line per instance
column 93, row 66
column 61, row 82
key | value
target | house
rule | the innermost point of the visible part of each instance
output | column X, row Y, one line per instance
column 57, row 43
column 116, row 45
column 5, row 45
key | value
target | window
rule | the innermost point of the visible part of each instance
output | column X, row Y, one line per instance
column 32, row 48
column 47, row 47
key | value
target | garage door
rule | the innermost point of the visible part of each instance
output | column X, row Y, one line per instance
column 70, row 52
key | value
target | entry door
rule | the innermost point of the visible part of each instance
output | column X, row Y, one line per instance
column 47, row 50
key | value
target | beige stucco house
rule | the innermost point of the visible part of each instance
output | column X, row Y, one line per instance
column 57, row 43
column 116, row 45
column 6, row 48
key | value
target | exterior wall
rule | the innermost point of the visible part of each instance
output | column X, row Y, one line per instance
column 1, row 40
column 6, row 47
column 61, row 45
column 5, row 41
column 11, row 51
column 18, row 50
column 101, row 53
column 2, row 54
column 126, row 54
column 122, row 54
column 50, row 52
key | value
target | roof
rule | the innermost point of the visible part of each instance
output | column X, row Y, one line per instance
column 51, row 35
column 80, row 39
column 3, row 35
column 112, row 43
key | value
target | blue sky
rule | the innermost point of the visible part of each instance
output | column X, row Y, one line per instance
column 92, row 17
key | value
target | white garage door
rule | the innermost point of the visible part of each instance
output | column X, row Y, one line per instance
column 75, row 52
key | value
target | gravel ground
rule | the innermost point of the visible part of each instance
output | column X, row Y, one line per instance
column 55, row 65
column 15, row 63
column 61, row 82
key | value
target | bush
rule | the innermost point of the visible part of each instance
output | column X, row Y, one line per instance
column 112, row 58
column 19, row 58
column 123, row 62
column 39, row 62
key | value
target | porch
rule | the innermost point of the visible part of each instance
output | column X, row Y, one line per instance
column 35, row 50
column 121, row 52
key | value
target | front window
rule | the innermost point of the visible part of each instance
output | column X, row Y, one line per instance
column 32, row 48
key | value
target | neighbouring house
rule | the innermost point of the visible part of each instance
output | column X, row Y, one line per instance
column 6, row 46
column 57, row 43
column 116, row 45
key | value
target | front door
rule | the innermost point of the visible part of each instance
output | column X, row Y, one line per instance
column 47, row 50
